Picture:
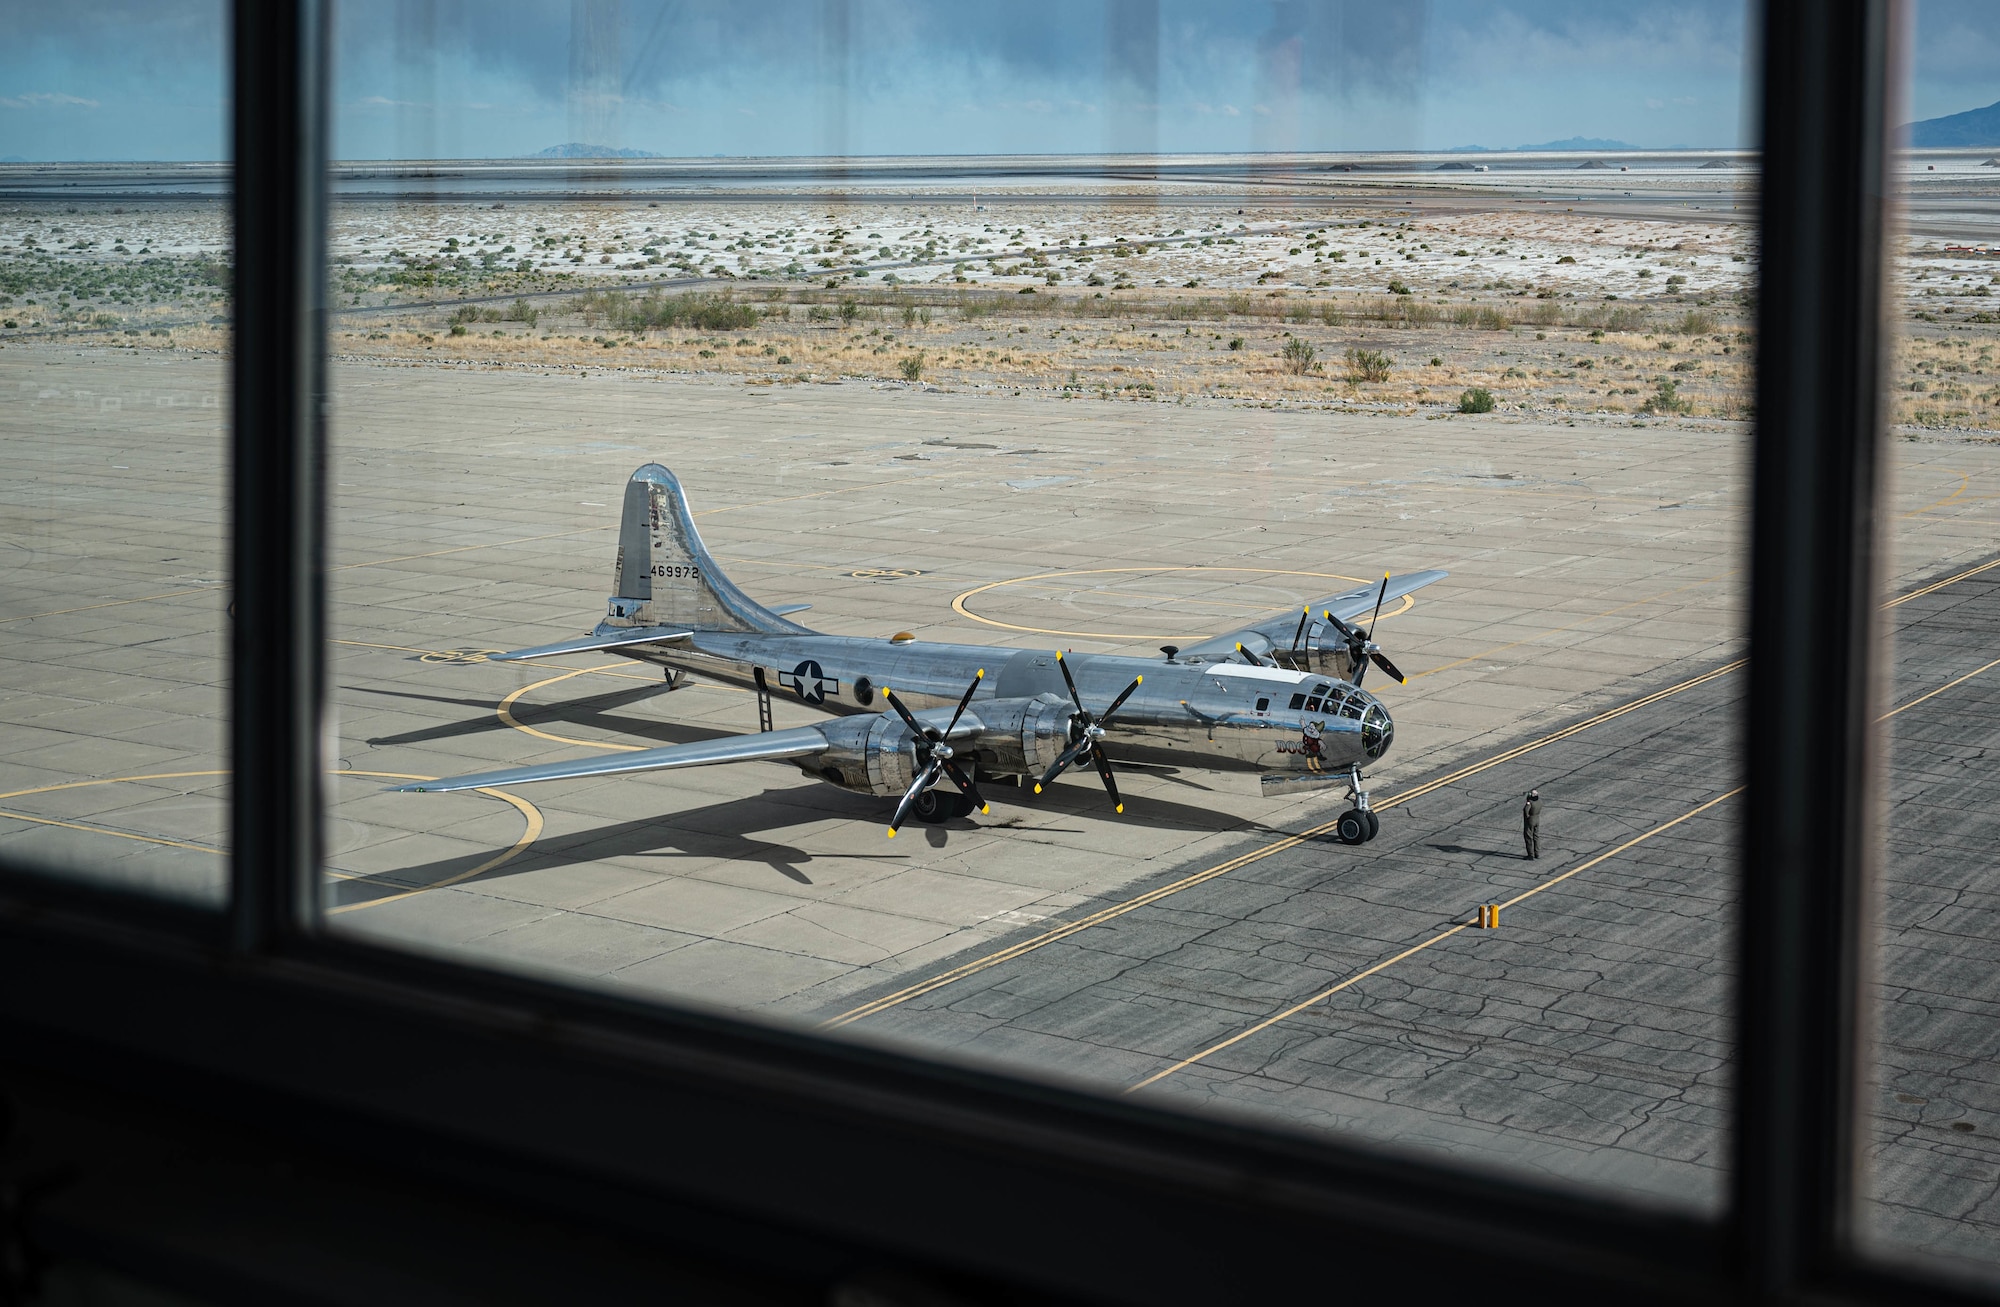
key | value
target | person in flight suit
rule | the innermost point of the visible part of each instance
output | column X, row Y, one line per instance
column 1531, row 823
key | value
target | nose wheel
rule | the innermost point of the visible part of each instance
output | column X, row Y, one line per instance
column 1358, row 824
column 1357, row 827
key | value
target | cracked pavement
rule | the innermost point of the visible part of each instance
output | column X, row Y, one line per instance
column 1588, row 1038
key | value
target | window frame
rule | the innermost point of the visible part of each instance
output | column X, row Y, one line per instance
column 429, row 1068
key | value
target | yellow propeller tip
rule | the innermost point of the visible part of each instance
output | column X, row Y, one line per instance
column 1121, row 807
column 1038, row 787
column 984, row 809
column 1138, row 680
column 981, row 676
column 892, row 833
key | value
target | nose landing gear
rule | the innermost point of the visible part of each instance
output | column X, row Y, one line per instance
column 1358, row 824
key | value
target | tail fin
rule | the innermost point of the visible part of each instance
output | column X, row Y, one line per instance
column 664, row 576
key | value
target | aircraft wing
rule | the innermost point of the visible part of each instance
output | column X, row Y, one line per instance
column 796, row 743
column 1276, row 631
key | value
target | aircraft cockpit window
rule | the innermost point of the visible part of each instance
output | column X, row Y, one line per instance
column 1312, row 705
column 1298, row 702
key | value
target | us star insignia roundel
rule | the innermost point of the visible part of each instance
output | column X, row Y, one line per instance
column 807, row 681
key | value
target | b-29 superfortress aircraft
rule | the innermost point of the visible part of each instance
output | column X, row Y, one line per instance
column 1281, row 697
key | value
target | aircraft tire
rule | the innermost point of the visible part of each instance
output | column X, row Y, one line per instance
column 1374, row 824
column 1352, row 828
column 932, row 806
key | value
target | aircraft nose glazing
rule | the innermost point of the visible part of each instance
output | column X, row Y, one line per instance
column 1377, row 730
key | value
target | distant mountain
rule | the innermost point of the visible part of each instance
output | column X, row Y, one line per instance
column 1975, row 128
column 578, row 150
column 13, row 158
column 1573, row 143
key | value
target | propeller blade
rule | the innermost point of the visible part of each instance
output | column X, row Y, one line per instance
column 1104, row 770
column 1345, row 630
column 1063, row 761
column 925, row 779
column 916, row 727
column 970, row 690
column 1388, row 666
column 1304, row 613
column 1119, row 702
column 1248, row 656
column 1070, row 681
column 1379, row 597
column 964, row 783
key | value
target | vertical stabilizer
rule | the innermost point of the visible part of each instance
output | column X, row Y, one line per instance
column 664, row 575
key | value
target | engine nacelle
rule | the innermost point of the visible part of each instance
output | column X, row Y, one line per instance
column 877, row 754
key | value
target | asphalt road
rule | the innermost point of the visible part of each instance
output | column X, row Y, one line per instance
column 1588, row 1037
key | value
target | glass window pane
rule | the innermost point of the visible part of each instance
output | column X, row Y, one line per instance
column 1155, row 345
column 114, row 310
column 1932, row 1107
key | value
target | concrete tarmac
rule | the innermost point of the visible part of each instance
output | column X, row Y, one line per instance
column 473, row 510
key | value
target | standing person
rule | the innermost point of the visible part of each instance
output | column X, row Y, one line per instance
column 1531, row 823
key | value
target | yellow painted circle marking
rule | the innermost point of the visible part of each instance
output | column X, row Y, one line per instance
column 532, row 817
column 106, row 830
column 506, row 712
column 885, row 573
column 959, row 604
column 532, row 824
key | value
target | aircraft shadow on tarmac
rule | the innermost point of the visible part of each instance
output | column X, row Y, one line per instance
column 725, row 831
column 594, row 711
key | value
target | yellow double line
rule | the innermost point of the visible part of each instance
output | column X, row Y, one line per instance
column 1438, row 938
column 1548, row 884
column 1116, row 910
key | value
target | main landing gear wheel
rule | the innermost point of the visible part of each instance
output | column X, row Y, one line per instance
column 1353, row 827
column 933, row 807
column 1374, row 824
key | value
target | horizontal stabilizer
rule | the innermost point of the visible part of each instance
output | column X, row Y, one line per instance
column 799, row 742
column 593, row 643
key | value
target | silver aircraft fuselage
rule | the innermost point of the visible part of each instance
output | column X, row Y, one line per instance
column 1280, row 696
column 1225, row 715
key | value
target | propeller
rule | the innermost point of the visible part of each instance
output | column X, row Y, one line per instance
column 1086, row 736
column 934, row 755
column 1360, row 649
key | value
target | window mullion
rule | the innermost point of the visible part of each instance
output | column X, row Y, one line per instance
column 277, row 452
column 1816, row 553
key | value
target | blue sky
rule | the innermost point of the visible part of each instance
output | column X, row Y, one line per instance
column 101, row 79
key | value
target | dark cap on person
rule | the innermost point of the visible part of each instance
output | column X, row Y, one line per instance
column 1534, row 794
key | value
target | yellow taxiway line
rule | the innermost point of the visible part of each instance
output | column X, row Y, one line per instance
column 958, row 604
column 531, row 831
column 1133, row 904
column 1551, row 883
column 532, row 816
column 1438, row 938
column 1116, row 910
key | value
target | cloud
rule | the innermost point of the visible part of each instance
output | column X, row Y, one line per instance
column 46, row 100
